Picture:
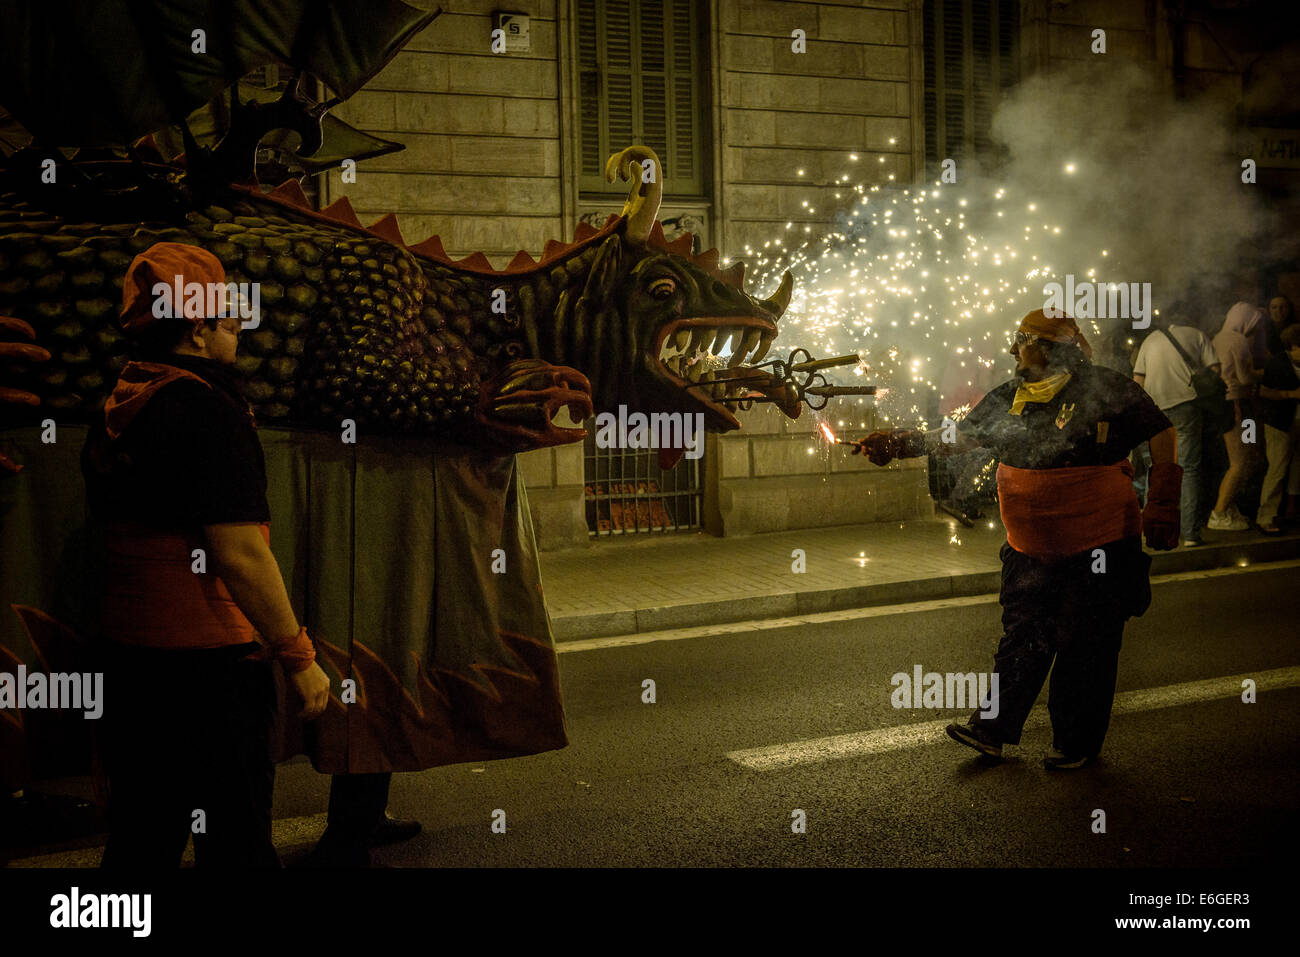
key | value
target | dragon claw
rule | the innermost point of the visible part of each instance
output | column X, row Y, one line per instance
column 518, row 403
column 9, row 396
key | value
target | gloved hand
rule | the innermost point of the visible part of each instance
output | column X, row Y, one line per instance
column 1161, row 519
column 879, row 447
column 883, row 447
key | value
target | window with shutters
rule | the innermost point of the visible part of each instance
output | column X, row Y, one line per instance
column 644, row 78
column 971, row 60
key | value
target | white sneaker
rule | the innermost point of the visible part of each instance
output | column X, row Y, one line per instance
column 1227, row 522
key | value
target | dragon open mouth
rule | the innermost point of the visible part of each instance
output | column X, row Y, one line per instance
column 695, row 352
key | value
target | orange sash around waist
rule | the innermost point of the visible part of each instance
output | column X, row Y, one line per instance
column 1051, row 514
column 153, row 597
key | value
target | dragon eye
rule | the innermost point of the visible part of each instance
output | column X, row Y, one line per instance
column 663, row 287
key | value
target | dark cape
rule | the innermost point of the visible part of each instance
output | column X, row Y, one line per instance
column 387, row 547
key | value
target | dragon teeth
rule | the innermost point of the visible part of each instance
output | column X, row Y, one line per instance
column 682, row 339
column 703, row 339
column 750, row 341
column 764, row 343
column 738, row 350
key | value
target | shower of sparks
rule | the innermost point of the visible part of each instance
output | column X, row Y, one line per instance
column 925, row 283
column 826, row 431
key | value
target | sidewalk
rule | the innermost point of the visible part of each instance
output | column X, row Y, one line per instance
column 625, row 585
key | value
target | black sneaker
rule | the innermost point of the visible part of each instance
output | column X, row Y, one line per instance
column 1057, row 761
column 976, row 738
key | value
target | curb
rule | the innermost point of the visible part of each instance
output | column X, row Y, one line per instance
column 794, row 604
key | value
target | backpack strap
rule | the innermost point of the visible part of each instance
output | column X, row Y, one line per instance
column 1191, row 367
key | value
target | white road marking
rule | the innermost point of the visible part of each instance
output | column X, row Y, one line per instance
column 297, row 831
column 875, row 611
column 859, row 744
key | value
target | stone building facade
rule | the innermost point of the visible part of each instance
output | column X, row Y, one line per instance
column 495, row 150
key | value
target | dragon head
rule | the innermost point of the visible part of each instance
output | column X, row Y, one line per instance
column 660, row 326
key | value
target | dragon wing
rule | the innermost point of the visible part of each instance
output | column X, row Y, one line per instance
column 107, row 72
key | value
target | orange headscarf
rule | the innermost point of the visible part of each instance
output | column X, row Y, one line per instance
column 163, row 263
column 1059, row 329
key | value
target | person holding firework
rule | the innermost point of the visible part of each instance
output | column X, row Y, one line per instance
column 1073, row 568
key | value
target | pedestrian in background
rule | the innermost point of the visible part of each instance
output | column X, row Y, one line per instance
column 1166, row 362
column 1278, row 393
column 1281, row 314
column 1236, row 351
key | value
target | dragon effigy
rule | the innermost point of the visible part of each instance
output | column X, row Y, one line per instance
column 357, row 324
column 408, row 549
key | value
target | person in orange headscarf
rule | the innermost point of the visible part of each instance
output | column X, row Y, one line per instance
column 175, row 477
column 1073, row 569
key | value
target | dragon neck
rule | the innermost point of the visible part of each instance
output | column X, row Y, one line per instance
column 537, row 313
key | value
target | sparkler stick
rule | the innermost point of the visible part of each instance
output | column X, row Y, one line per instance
column 785, row 372
column 833, row 390
column 831, row 437
column 816, row 365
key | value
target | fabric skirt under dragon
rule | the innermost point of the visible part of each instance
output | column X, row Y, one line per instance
column 413, row 565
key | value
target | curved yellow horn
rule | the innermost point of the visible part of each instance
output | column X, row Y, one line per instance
column 643, row 199
column 781, row 301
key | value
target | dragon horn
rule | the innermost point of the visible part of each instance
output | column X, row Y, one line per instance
column 781, row 301
column 643, row 199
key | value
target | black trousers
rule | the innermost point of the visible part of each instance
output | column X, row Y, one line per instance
column 184, row 732
column 357, row 805
column 1068, row 618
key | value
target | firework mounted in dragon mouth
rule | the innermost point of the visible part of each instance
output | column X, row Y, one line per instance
column 356, row 324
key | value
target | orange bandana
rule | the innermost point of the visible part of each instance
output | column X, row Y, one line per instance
column 1059, row 329
column 165, row 265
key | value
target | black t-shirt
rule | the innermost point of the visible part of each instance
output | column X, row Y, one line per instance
column 190, row 457
column 1096, row 419
column 1279, row 374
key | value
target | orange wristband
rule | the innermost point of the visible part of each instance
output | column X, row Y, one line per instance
column 295, row 654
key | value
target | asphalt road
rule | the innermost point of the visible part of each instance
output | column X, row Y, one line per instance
column 1188, row 777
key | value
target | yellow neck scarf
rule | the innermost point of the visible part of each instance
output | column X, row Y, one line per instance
column 1041, row 391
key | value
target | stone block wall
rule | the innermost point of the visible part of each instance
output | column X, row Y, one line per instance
column 776, row 474
column 793, row 123
column 481, row 166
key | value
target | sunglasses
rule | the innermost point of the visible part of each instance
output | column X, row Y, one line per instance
column 1021, row 338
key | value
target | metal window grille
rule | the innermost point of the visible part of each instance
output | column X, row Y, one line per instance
column 971, row 59
column 627, row 492
column 644, row 78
